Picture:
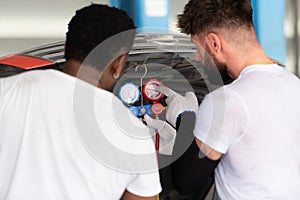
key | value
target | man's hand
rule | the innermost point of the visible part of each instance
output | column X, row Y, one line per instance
column 166, row 132
column 178, row 104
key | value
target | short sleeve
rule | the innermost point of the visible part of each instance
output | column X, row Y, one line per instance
column 221, row 119
column 1, row 88
column 145, row 185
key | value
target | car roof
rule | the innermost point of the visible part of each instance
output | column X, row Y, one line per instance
column 143, row 44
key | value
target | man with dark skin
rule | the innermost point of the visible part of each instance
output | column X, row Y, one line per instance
column 49, row 154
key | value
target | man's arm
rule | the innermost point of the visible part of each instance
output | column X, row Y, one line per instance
column 190, row 173
column 207, row 151
column 129, row 196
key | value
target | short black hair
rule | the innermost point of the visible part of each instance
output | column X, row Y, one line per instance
column 92, row 25
column 202, row 16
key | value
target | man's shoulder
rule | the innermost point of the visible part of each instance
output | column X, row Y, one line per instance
column 229, row 96
column 35, row 76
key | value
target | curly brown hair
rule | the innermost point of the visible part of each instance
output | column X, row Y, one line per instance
column 203, row 16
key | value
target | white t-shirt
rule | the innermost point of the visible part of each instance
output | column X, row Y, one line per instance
column 254, row 122
column 62, row 138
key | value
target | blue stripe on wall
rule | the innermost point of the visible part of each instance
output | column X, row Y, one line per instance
column 269, row 18
column 136, row 9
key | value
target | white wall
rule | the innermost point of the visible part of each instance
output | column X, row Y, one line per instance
column 37, row 18
column 28, row 23
column 177, row 7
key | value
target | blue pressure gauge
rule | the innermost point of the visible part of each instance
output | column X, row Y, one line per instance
column 129, row 93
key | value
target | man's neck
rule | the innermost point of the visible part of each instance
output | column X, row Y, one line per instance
column 83, row 72
column 241, row 60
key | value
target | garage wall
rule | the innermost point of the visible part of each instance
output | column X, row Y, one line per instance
column 26, row 24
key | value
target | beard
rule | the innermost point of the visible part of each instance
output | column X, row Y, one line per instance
column 216, row 71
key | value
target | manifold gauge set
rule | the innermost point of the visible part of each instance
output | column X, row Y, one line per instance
column 143, row 99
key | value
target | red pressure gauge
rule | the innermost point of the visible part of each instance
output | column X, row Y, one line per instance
column 150, row 90
column 157, row 108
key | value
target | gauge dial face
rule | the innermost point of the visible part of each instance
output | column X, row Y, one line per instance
column 150, row 90
column 129, row 93
column 157, row 108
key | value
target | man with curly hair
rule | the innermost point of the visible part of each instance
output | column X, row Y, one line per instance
column 60, row 136
column 252, row 124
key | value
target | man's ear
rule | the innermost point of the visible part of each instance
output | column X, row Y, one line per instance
column 214, row 41
column 119, row 63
